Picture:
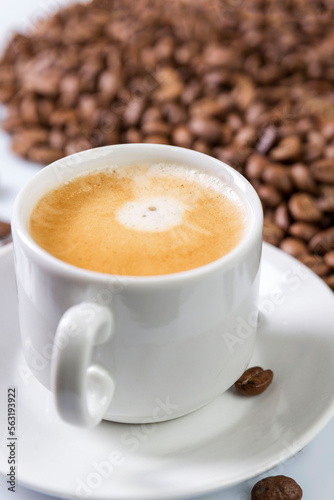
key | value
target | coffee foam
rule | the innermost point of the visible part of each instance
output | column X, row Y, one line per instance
column 157, row 214
column 139, row 220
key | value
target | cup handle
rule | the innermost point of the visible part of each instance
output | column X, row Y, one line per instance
column 83, row 391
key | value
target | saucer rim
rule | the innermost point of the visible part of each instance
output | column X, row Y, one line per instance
column 307, row 436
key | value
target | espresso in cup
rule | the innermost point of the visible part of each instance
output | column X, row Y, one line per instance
column 139, row 220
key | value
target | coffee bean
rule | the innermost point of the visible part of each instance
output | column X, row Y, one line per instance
column 255, row 166
column 282, row 217
column 289, row 148
column 254, row 381
column 205, row 128
column 174, row 113
column 171, row 85
column 201, row 146
column 322, row 242
column 293, row 246
column 191, row 92
column 208, row 106
column 24, row 140
column 316, row 263
column 61, row 117
column 329, row 258
column 329, row 151
column 152, row 114
column 44, row 154
column 47, row 83
column 234, row 121
column 181, row 136
column 245, row 137
column 29, row 110
column 156, row 127
column 272, row 233
column 303, row 230
column 156, row 139
column 109, row 83
column 269, row 195
column 276, row 488
column 266, row 140
column 278, row 176
column 4, row 229
column 133, row 112
column 326, row 198
column 323, row 170
column 132, row 135
column 316, row 143
column 12, row 124
column 303, row 207
column 302, row 178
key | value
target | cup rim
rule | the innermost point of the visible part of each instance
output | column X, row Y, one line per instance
column 20, row 231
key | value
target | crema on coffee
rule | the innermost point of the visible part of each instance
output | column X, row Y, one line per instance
column 139, row 220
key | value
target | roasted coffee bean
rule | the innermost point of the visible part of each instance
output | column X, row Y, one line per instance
column 272, row 233
column 4, row 229
column 302, row 178
column 174, row 113
column 326, row 198
column 322, row 242
column 45, row 154
column 207, row 129
column 156, row 139
column 269, row 195
column 288, row 149
column 266, row 140
column 152, row 114
column 24, row 140
column 303, row 230
column 329, row 258
column 201, row 146
column 255, row 166
column 282, row 217
column 208, row 106
column 303, row 207
column 181, row 136
column 156, row 127
column 277, row 176
column 276, row 488
column 293, row 246
column 316, row 263
column 254, row 381
column 171, row 85
column 29, row 110
column 323, row 170
column 245, row 137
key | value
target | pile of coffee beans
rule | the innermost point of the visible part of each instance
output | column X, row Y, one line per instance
column 249, row 82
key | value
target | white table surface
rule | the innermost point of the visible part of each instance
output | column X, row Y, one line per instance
column 312, row 468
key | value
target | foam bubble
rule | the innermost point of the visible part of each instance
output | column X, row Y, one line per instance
column 151, row 214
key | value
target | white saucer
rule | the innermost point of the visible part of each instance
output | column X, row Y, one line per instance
column 230, row 440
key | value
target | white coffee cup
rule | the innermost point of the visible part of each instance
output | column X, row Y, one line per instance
column 135, row 349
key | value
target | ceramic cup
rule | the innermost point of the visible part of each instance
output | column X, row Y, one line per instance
column 135, row 349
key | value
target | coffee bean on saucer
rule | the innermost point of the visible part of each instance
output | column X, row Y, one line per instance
column 277, row 488
column 4, row 229
column 254, row 381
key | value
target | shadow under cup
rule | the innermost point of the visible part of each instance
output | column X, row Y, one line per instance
column 136, row 349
